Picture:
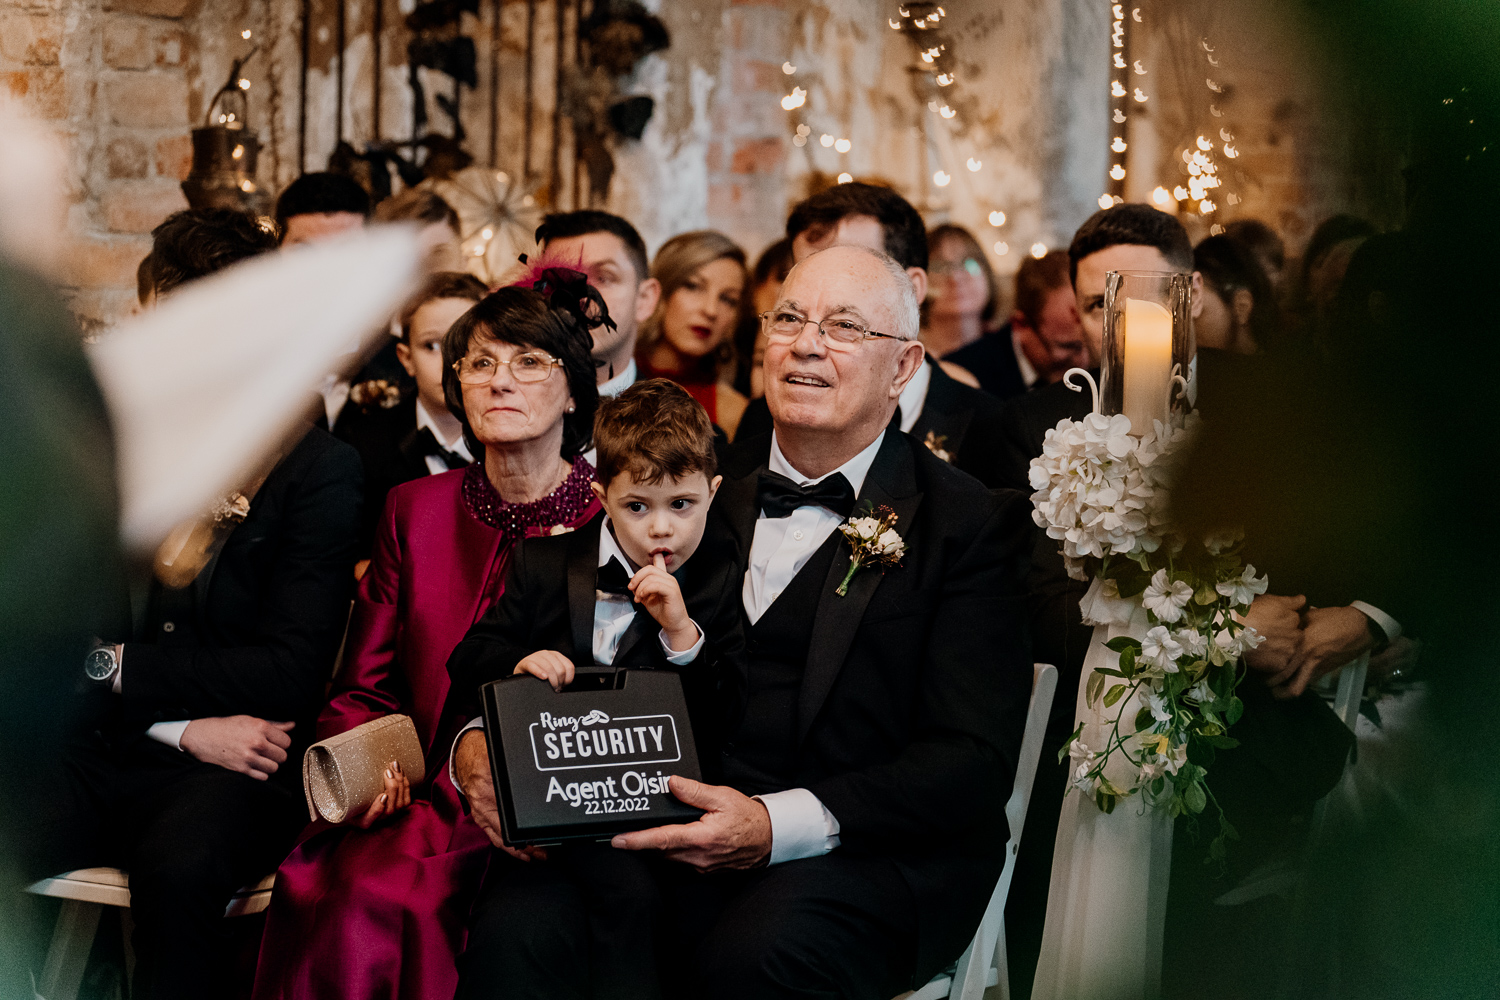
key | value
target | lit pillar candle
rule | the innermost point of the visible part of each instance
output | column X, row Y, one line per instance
column 1148, row 364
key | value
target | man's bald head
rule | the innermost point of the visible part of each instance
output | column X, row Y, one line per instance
column 828, row 399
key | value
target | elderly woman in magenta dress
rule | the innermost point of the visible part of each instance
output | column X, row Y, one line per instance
column 377, row 907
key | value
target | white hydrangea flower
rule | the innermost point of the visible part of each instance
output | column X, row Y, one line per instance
column 1243, row 589
column 1165, row 597
column 1160, row 650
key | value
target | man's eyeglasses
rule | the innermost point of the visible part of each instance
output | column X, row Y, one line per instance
column 840, row 332
column 530, row 366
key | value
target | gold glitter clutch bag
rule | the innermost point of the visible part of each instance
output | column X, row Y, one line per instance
column 342, row 775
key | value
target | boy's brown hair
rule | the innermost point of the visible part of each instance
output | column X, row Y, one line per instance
column 653, row 429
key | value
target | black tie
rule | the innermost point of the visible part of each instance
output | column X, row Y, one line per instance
column 427, row 444
column 614, row 579
column 778, row 496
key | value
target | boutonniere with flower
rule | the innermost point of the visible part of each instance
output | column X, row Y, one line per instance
column 936, row 443
column 873, row 539
column 233, row 508
column 375, row 392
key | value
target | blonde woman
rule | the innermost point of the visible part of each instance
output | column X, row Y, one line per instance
column 690, row 337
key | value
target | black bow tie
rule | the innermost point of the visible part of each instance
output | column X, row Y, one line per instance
column 778, row 496
column 427, row 444
column 614, row 579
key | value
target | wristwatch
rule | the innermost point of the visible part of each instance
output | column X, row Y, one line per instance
column 101, row 664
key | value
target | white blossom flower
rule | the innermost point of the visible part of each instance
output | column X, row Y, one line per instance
column 1175, row 757
column 1152, row 769
column 1200, row 693
column 1158, row 706
column 1243, row 589
column 1193, row 642
column 890, row 543
column 1250, row 638
column 1160, row 650
column 865, row 527
column 1165, row 597
column 1082, row 781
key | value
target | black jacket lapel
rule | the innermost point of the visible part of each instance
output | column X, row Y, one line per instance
column 892, row 483
column 944, row 415
column 735, row 501
column 583, row 571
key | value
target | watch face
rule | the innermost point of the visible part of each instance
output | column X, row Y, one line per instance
column 100, row 664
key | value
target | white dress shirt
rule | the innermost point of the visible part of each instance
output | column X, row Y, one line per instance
column 613, row 387
column 913, row 398
column 459, row 447
column 801, row 826
column 612, row 617
column 1023, row 363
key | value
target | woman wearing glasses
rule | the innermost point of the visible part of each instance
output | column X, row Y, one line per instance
column 690, row 337
column 377, row 907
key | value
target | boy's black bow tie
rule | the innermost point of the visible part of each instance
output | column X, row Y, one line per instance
column 428, row 444
column 778, row 496
column 614, row 579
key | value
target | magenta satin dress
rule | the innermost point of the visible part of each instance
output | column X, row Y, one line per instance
column 382, row 913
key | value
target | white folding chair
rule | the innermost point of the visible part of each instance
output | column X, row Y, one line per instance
column 984, row 962
column 85, row 893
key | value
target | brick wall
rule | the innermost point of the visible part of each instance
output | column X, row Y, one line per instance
column 109, row 76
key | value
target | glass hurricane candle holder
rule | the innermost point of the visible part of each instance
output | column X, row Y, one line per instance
column 1148, row 346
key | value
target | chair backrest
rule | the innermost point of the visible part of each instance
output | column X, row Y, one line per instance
column 984, row 962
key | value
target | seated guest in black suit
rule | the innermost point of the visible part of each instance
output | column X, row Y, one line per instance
column 188, row 778
column 935, row 408
column 609, row 250
column 1042, row 339
column 418, row 436
column 576, row 599
column 320, row 206
column 872, row 734
column 316, row 207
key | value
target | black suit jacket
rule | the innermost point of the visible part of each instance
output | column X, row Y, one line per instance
column 388, row 450
column 265, row 618
column 548, row 603
column 992, row 360
column 916, row 683
column 963, row 421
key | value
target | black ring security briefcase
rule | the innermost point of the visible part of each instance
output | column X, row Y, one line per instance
column 592, row 760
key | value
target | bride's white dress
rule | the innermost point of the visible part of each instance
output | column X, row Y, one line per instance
column 1106, row 907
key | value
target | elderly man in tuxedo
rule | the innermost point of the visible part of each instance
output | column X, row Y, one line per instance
column 870, row 739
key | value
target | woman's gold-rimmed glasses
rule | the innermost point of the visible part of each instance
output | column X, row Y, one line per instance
column 529, row 366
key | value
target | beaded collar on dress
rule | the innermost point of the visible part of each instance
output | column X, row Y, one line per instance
column 561, row 506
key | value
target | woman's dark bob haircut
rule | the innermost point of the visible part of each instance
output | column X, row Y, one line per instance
column 522, row 317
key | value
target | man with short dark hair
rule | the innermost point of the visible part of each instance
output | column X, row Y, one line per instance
column 609, row 250
column 192, row 244
column 318, row 206
column 954, row 420
column 1041, row 340
column 187, row 775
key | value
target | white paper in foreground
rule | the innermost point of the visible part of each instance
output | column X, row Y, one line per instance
column 204, row 386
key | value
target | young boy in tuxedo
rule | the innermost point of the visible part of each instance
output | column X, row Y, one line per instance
column 639, row 586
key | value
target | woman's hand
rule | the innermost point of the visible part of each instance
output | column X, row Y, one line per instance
column 395, row 797
column 550, row 665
